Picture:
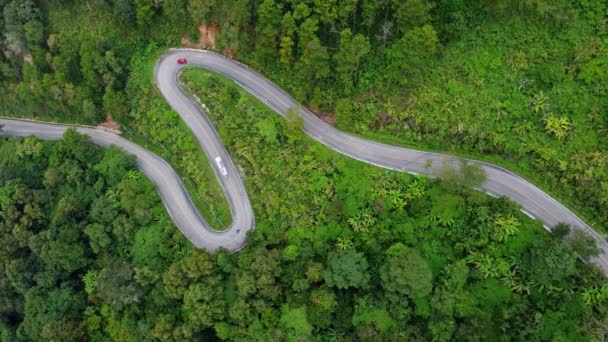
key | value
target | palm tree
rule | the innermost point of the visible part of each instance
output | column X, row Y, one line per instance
column 368, row 219
column 416, row 189
column 354, row 223
column 590, row 296
column 484, row 264
column 539, row 102
column 595, row 296
column 521, row 287
column 132, row 175
column 363, row 221
column 344, row 244
column 396, row 198
column 505, row 227
column 559, row 127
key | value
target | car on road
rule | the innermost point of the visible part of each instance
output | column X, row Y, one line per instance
column 182, row 61
column 220, row 165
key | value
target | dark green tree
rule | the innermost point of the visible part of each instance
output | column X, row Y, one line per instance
column 406, row 272
column 346, row 269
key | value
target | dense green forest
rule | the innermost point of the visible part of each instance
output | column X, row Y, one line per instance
column 342, row 250
column 517, row 82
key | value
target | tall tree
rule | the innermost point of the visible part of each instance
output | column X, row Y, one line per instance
column 200, row 10
column 294, row 123
column 124, row 10
column 406, row 272
column 267, row 30
column 410, row 53
column 347, row 60
column 346, row 269
column 288, row 28
column 175, row 11
column 143, row 13
column 411, row 14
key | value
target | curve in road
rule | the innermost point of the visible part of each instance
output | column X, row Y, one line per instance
column 499, row 182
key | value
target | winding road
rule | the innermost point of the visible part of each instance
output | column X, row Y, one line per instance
column 500, row 182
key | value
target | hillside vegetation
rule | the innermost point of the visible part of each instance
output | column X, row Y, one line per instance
column 342, row 250
column 517, row 82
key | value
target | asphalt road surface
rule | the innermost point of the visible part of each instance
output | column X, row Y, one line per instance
column 500, row 182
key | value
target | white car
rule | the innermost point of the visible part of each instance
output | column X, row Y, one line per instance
column 220, row 165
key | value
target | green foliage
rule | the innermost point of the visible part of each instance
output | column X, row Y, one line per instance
column 344, row 113
column 88, row 253
column 269, row 18
column 79, row 241
column 505, row 227
column 153, row 120
column 412, row 13
column 294, row 124
column 465, row 258
column 346, row 269
column 295, row 324
column 352, row 50
column 410, row 53
column 559, row 127
column 549, row 263
column 583, row 245
column 380, row 318
column 458, row 173
column 406, row 272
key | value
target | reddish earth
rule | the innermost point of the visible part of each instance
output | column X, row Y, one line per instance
column 325, row 116
column 207, row 39
column 208, row 34
column 27, row 57
column 229, row 52
column 109, row 124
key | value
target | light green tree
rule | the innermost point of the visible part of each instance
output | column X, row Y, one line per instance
column 295, row 324
column 294, row 123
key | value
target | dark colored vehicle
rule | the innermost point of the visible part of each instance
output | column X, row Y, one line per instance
column 182, row 61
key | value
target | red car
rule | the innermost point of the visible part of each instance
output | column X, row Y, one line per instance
column 182, row 61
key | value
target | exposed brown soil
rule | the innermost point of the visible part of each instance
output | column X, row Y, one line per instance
column 229, row 52
column 328, row 117
column 207, row 39
column 208, row 35
column 27, row 57
column 109, row 124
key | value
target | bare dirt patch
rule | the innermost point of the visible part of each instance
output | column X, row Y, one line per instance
column 328, row 117
column 207, row 40
column 27, row 57
column 229, row 52
column 208, row 35
column 109, row 124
